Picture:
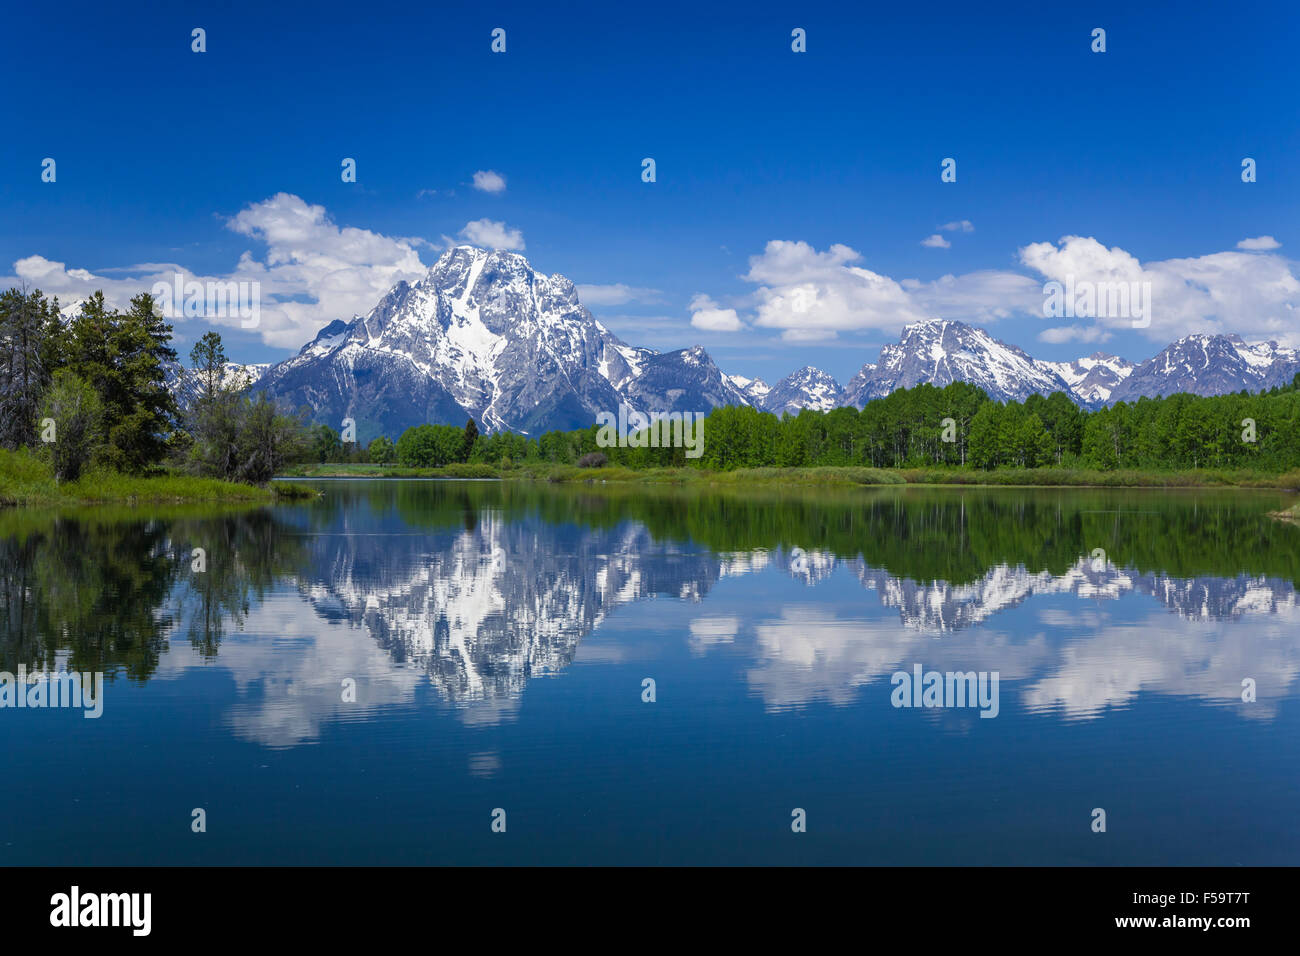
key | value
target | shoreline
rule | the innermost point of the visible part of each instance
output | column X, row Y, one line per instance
column 817, row 477
column 26, row 482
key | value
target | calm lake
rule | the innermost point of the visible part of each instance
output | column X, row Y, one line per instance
column 367, row 677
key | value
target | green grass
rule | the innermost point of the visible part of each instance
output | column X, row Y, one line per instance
column 26, row 480
column 824, row 476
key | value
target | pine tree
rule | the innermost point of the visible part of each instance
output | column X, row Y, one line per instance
column 25, row 363
column 123, row 356
column 208, row 359
column 471, row 436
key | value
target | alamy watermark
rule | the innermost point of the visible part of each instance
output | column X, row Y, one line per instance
column 1085, row 299
column 191, row 299
column 45, row 689
column 634, row 429
column 950, row 689
column 129, row 910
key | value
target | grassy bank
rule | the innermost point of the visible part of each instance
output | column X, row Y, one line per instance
column 846, row 477
column 26, row 481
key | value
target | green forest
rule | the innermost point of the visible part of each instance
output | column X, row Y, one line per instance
column 957, row 426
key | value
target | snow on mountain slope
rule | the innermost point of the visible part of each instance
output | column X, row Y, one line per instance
column 1091, row 380
column 806, row 388
column 1210, row 365
column 754, row 389
column 682, row 381
column 482, row 334
column 938, row 351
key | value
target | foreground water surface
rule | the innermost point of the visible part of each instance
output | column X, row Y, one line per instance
column 367, row 677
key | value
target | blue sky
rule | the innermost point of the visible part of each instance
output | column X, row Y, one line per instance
column 166, row 157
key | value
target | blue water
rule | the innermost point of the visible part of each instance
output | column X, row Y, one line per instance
column 499, row 638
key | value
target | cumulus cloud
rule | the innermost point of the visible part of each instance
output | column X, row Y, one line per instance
column 708, row 316
column 809, row 294
column 313, row 270
column 1254, row 295
column 1259, row 244
column 936, row 242
column 616, row 294
column 961, row 225
column 489, row 181
column 492, row 235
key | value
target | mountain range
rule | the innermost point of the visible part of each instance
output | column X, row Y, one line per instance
column 484, row 335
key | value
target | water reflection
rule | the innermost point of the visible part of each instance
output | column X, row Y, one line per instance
column 470, row 591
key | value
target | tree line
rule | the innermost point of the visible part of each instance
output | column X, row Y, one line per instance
column 957, row 425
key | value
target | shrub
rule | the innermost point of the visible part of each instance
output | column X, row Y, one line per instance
column 71, row 415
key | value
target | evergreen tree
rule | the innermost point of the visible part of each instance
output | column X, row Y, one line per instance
column 471, row 436
column 26, row 363
column 208, row 359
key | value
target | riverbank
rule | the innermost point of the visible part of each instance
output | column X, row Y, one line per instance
column 825, row 476
column 26, row 481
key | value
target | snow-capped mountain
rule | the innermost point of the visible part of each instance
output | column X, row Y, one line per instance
column 754, row 389
column 938, row 351
column 681, row 381
column 1210, row 365
column 482, row 334
column 1091, row 380
column 806, row 388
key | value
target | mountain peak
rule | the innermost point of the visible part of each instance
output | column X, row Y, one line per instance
column 807, row 387
column 941, row 351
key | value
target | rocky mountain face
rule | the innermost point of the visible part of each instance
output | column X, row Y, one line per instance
column 940, row 352
column 806, row 388
column 754, row 389
column 481, row 335
column 1210, row 365
column 681, row 381
column 486, row 336
column 1091, row 380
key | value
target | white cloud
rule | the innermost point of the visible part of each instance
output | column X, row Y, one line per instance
column 313, row 272
column 1073, row 333
column 708, row 316
column 936, row 242
column 1259, row 244
column 489, row 181
column 961, row 225
column 616, row 294
column 810, row 294
column 1253, row 295
column 492, row 235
